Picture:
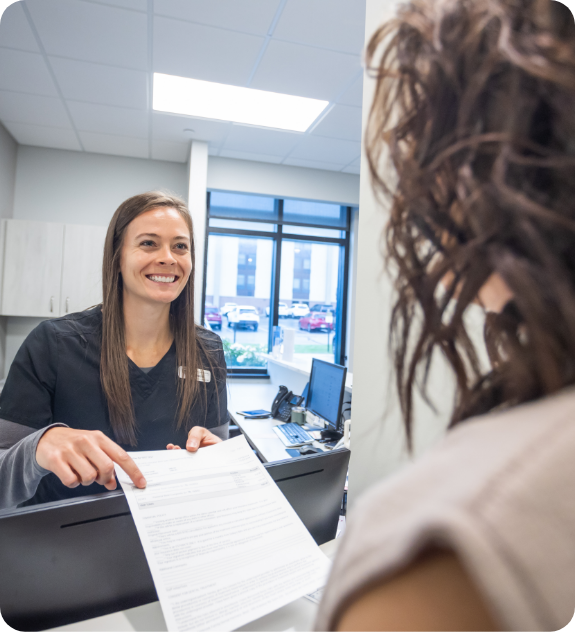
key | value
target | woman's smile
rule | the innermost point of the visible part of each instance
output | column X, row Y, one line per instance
column 162, row 278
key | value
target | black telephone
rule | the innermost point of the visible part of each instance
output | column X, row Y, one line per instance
column 284, row 401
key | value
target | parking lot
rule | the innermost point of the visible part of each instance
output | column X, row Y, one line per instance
column 305, row 342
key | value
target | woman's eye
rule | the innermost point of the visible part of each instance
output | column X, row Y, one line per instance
column 182, row 246
column 147, row 242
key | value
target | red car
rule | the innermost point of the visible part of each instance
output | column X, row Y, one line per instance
column 322, row 321
column 213, row 316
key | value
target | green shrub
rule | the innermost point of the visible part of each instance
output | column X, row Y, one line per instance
column 238, row 355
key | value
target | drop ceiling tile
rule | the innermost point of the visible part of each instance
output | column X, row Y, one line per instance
column 304, row 71
column 355, row 164
column 40, row 136
column 261, row 141
column 313, row 164
column 204, row 52
column 107, row 119
column 351, row 169
column 25, row 72
column 15, row 32
column 247, row 155
column 114, row 145
column 94, row 83
column 248, row 16
column 33, row 109
column 342, row 121
column 135, row 5
column 354, row 94
column 92, row 32
column 171, row 127
column 327, row 150
column 173, row 152
column 334, row 24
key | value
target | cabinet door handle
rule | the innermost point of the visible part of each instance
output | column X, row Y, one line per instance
column 51, row 303
column 67, row 304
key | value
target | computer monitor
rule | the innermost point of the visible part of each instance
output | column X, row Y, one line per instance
column 325, row 395
column 77, row 559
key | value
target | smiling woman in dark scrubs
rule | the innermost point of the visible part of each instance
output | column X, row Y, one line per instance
column 135, row 373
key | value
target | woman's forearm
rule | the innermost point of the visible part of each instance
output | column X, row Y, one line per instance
column 20, row 474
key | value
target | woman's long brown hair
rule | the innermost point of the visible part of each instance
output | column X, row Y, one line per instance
column 474, row 111
column 114, row 369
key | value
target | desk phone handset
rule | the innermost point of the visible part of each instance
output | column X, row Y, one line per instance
column 284, row 401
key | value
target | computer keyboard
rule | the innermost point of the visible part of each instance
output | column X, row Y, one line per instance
column 292, row 434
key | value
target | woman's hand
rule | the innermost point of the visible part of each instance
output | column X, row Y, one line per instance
column 198, row 437
column 80, row 457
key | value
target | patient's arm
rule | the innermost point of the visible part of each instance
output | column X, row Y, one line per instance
column 20, row 474
column 433, row 593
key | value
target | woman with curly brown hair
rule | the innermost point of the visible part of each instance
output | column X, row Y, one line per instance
column 475, row 109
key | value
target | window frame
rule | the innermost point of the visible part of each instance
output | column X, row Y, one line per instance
column 278, row 237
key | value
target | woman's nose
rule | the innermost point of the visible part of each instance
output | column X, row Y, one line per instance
column 166, row 257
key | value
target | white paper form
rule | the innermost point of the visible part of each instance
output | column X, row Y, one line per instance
column 223, row 544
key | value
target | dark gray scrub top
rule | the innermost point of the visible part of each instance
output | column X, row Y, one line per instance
column 55, row 378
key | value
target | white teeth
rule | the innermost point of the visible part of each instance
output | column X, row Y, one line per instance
column 162, row 279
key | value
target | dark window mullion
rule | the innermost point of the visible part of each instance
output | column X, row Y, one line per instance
column 275, row 292
column 341, row 317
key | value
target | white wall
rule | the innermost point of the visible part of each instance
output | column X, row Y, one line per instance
column 377, row 429
column 244, row 176
column 8, row 158
column 8, row 155
column 56, row 185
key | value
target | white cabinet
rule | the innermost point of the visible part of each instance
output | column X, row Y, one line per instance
column 50, row 270
column 32, row 268
column 81, row 267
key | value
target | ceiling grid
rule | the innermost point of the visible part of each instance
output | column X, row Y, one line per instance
column 77, row 74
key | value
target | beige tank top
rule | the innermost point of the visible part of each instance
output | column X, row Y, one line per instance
column 499, row 490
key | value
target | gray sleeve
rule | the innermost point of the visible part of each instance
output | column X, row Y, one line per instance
column 20, row 474
column 222, row 431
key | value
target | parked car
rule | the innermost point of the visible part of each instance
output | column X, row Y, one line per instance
column 227, row 307
column 321, row 320
column 244, row 317
column 298, row 310
column 213, row 316
column 283, row 311
column 321, row 307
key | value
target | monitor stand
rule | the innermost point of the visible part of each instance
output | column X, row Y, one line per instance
column 331, row 436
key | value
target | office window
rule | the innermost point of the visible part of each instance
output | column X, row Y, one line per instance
column 241, row 206
column 247, row 257
column 317, row 286
column 316, row 213
column 292, row 254
column 239, row 300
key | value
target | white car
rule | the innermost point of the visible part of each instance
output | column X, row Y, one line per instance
column 299, row 310
column 244, row 317
column 227, row 307
column 283, row 311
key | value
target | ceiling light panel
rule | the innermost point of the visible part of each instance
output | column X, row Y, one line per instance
column 204, row 99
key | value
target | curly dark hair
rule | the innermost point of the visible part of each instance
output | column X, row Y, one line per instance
column 475, row 109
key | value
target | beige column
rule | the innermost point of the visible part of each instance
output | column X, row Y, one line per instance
column 197, row 195
column 377, row 437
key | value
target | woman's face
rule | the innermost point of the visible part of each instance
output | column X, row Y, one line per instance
column 155, row 260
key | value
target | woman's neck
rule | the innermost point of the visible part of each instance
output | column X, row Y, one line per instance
column 148, row 334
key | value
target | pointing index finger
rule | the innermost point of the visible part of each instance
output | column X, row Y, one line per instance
column 125, row 461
